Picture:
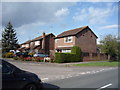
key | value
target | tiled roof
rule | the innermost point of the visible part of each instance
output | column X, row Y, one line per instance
column 37, row 38
column 71, row 32
column 40, row 37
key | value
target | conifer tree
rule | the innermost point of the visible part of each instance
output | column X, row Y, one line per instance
column 9, row 39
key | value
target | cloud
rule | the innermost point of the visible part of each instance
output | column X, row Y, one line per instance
column 62, row 12
column 110, row 27
column 20, row 13
column 93, row 15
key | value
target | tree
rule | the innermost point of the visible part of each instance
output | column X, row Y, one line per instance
column 110, row 46
column 9, row 39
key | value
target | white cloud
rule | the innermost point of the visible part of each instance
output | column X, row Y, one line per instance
column 28, row 12
column 62, row 12
column 110, row 27
column 94, row 15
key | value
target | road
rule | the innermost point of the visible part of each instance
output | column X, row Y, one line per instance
column 60, row 76
column 97, row 81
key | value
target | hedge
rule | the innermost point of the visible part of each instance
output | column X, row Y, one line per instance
column 74, row 56
column 64, row 57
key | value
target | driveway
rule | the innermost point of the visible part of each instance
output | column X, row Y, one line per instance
column 52, row 71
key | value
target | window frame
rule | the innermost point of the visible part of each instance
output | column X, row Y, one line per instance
column 66, row 39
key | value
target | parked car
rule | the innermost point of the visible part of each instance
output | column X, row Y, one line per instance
column 14, row 78
column 24, row 54
column 40, row 55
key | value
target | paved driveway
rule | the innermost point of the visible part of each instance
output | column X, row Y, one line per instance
column 53, row 71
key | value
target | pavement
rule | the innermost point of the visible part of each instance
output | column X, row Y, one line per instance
column 52, row 71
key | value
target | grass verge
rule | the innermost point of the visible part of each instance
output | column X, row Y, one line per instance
column 95, row 64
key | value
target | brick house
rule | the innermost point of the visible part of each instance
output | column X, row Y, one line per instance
column 42, row 44
column 83, row 37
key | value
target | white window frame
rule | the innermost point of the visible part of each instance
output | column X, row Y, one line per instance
column 27, row 45
column 66, row 51
column 69, row 38
column 23, row 45
column 37, row 43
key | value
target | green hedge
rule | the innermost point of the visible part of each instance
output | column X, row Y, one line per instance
column 74, row 56
column 77, row 50
column 64, row 57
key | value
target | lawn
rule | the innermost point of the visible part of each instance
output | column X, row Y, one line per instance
column 102, row 64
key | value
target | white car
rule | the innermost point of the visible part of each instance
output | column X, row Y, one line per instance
column 40, row 55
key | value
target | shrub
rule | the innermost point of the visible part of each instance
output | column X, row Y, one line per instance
column 27, row 58
column 74, row 56
column 9, row 55
column 38, row 59
column 3, row 55
column 16, row 58
column 59, row 57
column 65, row 57
column 31, row 54
column 77, row 50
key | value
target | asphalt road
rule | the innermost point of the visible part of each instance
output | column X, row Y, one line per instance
column 107, row 80
column 59, row 76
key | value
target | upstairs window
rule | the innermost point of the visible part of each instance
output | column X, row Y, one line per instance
column 27, row 45
column 68, row 39
column 23, row 45
column 37, row 42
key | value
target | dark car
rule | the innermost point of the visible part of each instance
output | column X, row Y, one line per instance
column 14, row 78
column 24, row 54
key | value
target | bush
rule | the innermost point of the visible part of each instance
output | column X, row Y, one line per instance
column 38, row 59
column 8, row 55
column 27, row 58
column 16, row 58
column 3, row 55
column 74, row 56
column 65, row 57
column 31, row 54
column 77, row 50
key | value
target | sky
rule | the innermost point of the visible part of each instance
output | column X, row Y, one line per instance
column 31, row 19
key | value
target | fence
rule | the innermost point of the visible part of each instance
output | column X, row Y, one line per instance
column 94, row 57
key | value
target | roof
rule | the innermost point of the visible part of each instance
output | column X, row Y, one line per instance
column 73, row 32
column 40, row 37
column 37, row 38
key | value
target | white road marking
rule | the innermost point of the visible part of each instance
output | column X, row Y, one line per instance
column 105, row 86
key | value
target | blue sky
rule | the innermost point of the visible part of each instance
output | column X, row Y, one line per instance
column 33, row 18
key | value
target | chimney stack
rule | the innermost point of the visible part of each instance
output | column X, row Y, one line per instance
column 43, row 41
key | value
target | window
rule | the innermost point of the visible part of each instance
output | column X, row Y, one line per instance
column 6, row 68
column 37, row 42
column 66, row 51
column 27, row 45
column 68, row 39
column 23, row 45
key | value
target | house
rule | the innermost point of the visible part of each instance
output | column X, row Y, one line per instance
column 83, row 37
column 42, row 44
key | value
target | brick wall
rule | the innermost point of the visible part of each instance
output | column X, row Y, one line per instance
column 86, row 40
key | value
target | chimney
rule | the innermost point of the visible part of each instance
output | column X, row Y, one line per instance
column 43, row 41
